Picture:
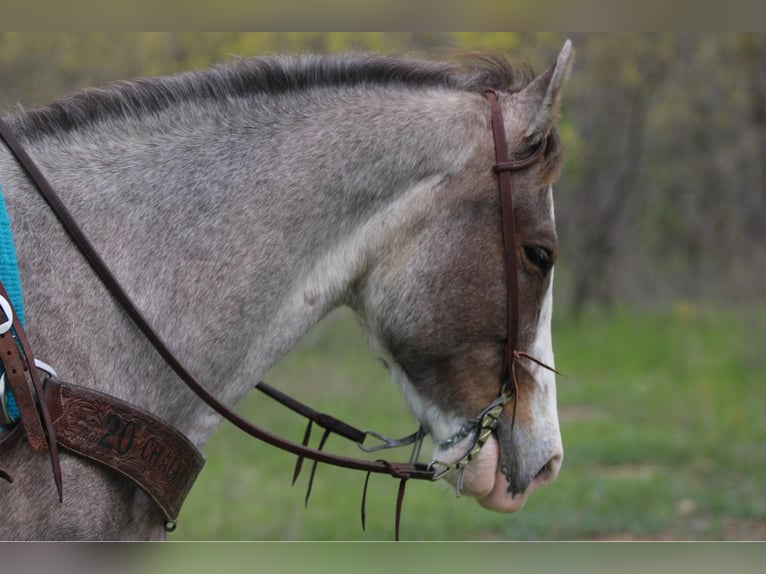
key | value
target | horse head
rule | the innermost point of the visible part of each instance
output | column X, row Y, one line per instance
column 435, row 305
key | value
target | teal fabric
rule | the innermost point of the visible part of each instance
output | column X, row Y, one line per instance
column 9, row 275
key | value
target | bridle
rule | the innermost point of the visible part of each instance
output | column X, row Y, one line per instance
column 479, row 427
column 484, row 424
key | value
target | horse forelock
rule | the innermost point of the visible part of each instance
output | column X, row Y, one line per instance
column 270, row 75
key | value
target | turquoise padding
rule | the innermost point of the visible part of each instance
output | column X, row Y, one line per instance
column 9, row 265
column 9, row 275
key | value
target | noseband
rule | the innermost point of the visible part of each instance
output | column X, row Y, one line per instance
column 480, row 426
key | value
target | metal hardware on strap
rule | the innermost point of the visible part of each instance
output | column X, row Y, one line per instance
column 337, row 426
column 334, row 425
column 32, row 420
column 5, row 417
column 7, row 309
column 385, row 442
column 482, row 426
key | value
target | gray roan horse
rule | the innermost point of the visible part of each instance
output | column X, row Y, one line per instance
column 239, row 205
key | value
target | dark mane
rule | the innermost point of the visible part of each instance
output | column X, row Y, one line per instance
column 267, row 75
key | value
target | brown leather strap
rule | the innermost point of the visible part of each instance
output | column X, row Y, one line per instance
column 32, row 419
column 136, row 444
column 503, row 169
column 327, row 422
column 14, row 370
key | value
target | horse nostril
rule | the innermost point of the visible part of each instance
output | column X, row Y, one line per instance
column 550, row 470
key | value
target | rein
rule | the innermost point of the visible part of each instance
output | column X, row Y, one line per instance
column 51, row 396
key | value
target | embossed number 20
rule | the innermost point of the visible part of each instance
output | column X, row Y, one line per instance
column 119, row 434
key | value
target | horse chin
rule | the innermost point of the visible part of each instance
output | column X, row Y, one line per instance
column 500, row 500
column 483, row 480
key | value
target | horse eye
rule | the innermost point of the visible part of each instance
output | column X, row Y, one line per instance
column 540, row 257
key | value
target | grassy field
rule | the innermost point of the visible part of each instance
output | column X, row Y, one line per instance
column 662, row 415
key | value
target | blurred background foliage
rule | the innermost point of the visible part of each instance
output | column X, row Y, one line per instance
column 663, row 195
column 660, row 319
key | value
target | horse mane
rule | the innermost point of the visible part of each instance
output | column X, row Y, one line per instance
column 270, row 75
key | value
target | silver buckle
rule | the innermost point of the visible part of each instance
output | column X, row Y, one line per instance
column 5, row 418
column 7, row 310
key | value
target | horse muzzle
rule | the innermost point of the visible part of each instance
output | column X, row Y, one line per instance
column 515, row 482
column 505, row 472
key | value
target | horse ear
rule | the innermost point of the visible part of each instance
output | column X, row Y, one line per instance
column 544, row 93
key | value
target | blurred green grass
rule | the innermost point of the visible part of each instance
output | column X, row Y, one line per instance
column 662, row 415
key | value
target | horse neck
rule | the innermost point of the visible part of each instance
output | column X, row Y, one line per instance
column 234, row 231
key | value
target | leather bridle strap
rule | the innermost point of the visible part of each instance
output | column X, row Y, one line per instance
column 486, row 422
column 35, row 418
column 398, row 470
column 503, row 169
